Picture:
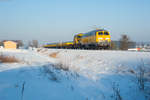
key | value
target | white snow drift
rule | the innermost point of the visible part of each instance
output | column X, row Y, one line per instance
column 75, row 75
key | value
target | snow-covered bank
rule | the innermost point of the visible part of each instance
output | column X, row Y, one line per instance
column 94, row 62
column 40, row 83
column 57, row 74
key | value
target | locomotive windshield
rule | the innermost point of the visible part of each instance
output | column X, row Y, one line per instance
column 79, row 36
column 100, row 33
column 106, row 33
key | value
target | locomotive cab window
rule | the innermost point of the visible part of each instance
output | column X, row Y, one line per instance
column 78, row 36
column 100, row 33
column 106, row 33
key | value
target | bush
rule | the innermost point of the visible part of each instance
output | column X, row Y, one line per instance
column 116, row 91
column 62, row 66
column 54, row 55
column 8, row 59
column 50, row 73
column 143, row 79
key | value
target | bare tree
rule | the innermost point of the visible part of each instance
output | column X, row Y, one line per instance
column 30, row 44
column 1, row 43
column 113, row 45
column 20, row 43
column 35, row 43
column 124, row 42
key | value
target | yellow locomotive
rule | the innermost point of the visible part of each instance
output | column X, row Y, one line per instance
column 96, row 39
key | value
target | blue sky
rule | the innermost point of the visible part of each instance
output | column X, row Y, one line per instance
column 59, row 20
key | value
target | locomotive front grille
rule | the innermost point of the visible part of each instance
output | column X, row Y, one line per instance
column 103, row 43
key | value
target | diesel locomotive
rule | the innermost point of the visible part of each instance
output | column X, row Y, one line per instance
column 96, row 39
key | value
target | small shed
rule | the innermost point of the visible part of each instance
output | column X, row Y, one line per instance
column 10, row 45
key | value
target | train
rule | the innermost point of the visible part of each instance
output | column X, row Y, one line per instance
column 96, row 39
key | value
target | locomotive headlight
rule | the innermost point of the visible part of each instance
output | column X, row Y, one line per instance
column 100, row 38
column 107, row 38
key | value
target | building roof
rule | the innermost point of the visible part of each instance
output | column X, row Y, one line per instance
column 16, row 41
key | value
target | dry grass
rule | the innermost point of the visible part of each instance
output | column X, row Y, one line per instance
column 8, row 59
column 62, row 66
column 54, row 55
column 132, row 71
column 43, row 51
column 38, row 50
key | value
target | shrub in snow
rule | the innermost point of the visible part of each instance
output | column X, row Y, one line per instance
column 50, row 73
column 62, row 66
column 57, row 74
column 8, row 59
column 54, row 55
column 143, row 77
column 116, row 91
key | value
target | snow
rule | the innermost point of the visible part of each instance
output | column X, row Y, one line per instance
column 72, row 75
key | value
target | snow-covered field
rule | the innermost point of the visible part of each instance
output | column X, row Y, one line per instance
column 59, row 74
